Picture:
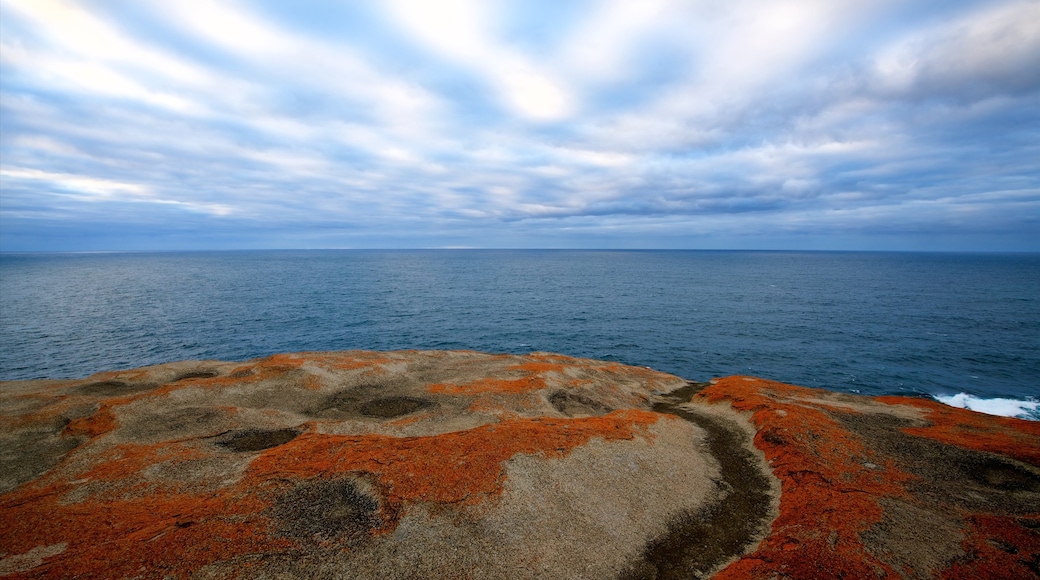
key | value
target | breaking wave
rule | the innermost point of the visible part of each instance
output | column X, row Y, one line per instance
column 1023, row 409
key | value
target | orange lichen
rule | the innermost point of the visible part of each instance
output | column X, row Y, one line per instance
column 462, row 467
column 405, row 421
column 131, row 527
column 239, row 375
column 1016, row 438
column 998, row 547
column 351, row 360
column 49, row 412
column 283, row 360
column 127, row 461
column 97, row 424
column 647, row 377
column 546, row 362
column 484, row 404
column 146, row 537
column 508, row 405
column 828, row 494
column 535, row 374
column 278, row 365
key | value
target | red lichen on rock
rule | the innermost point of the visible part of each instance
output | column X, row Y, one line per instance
column 549, row 363
column 55, row 408
column 486, row 404
column 463, row 467
column 94, row 425
column 532, row 379
column 829, row 495
column 124, row 463
column 145, row 537
column 506, row 405
column 405, row 421
column 129, row 526
column 264, row 369
column 352, row 360
column 1015, row 438
column 999, row 547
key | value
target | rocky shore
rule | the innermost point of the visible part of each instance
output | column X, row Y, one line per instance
column 438, row 464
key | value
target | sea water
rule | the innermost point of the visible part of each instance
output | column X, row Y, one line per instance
column 964, row 328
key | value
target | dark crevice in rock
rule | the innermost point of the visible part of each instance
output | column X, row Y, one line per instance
column 697, row 543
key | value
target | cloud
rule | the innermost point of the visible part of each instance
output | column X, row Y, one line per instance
column 516, row 123
column 991, row 51
column 458, row 30
column 88, row 189
column 604, row 46
column 91, row 77
column 79, row 32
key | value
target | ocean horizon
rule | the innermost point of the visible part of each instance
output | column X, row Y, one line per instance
column 963, row 328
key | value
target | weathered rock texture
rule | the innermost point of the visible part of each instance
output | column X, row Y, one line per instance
column 468, row 465
column 889, row 487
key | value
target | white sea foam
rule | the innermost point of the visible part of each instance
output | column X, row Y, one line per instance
column 1003, row 407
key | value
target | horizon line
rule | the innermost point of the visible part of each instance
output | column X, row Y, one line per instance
column 508, row 249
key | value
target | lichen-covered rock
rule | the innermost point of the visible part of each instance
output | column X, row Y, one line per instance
column 889, row 487
column 462, row 464
column 401, row 464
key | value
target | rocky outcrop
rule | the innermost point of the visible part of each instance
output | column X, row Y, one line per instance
column 462, row 464
column 889, row 487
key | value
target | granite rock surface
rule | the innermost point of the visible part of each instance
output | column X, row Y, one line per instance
column 457, row 464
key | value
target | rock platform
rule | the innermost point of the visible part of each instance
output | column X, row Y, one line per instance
column 458, row 464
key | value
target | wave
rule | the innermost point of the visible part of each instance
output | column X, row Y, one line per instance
column 1022, row 409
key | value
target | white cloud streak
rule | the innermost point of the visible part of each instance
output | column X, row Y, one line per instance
column 98, row 190
column 459, row 31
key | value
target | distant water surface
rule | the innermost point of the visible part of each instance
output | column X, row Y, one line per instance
column 872, row 323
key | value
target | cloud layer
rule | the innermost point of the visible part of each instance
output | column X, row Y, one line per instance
column 789, row 124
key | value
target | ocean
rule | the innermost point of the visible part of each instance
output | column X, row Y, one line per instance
column 963, row 328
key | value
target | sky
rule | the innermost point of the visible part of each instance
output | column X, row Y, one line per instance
column 788, row 124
